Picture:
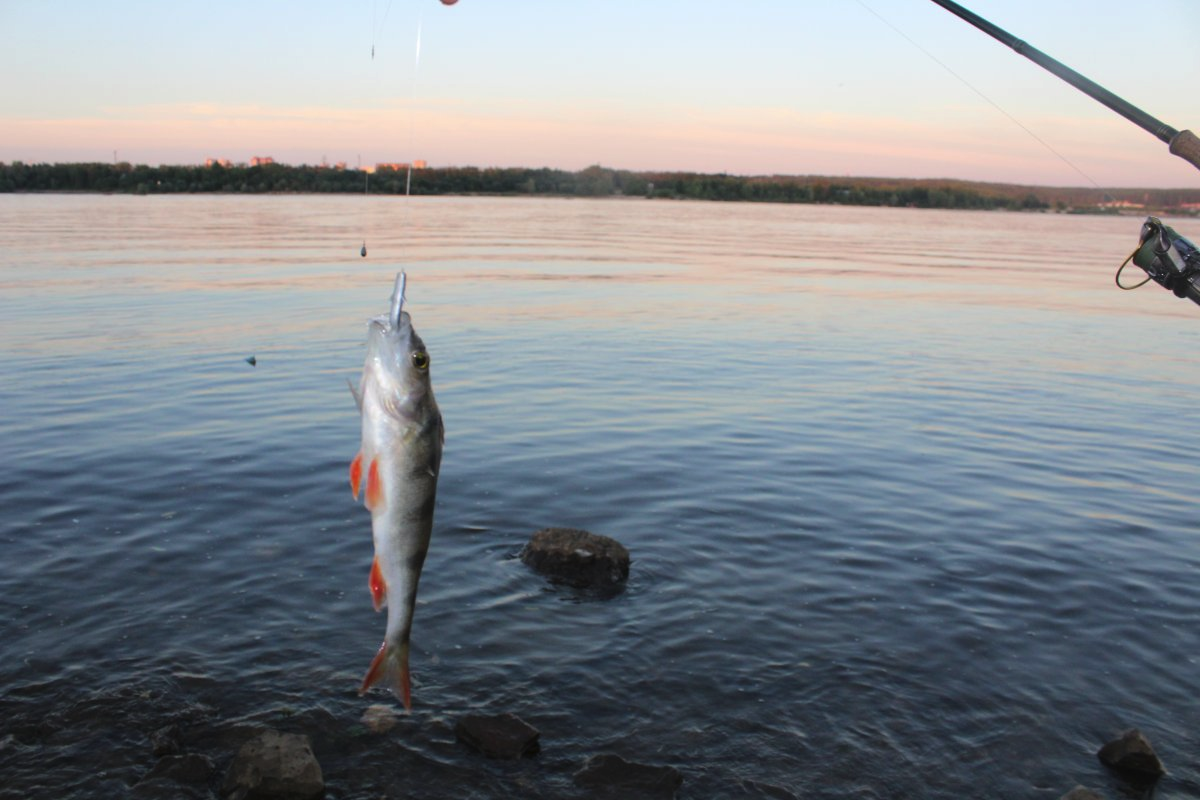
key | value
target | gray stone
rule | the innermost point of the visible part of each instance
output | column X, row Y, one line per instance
column 608, row 772
column 498, row 736
column 1131, row 752
column 275, row 765
column 163, row 789
column 190, row 768
column 165, row 741
column 1081, row 793
column 578, row 558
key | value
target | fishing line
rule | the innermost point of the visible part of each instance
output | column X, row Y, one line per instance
column 366, row 197
column 376, row 26
column 376, row 23
column 987, row 99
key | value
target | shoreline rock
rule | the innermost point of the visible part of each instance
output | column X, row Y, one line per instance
column 504, row 736
column 1082, row 793
column 609, row 772
column 274, row 764
column 1132, row 753
column 578, row 558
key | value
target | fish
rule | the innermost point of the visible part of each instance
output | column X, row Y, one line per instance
column 396, row 472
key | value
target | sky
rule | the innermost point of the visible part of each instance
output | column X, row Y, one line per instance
column 884, row 88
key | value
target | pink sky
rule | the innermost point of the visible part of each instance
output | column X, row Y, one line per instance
column 765, row 88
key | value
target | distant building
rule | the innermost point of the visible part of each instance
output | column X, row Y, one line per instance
column 400, row 166
column 218, row 162
column 341, row 165
column 261, row 161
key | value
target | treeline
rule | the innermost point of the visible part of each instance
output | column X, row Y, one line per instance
column 594, row 181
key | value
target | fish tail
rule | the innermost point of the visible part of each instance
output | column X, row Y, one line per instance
column 390, row 668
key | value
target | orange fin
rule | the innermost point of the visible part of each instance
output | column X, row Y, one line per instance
column 390, row 666
column 356, row 474
column 378, row 585
column 374, row 486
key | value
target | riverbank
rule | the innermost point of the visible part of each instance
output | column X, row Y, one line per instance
column 594, row 181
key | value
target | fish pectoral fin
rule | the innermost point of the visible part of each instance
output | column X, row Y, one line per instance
column 390, row 667
column 356, row 474
column 357, row 395
column 377, row 585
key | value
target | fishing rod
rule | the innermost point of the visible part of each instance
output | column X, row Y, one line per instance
column 1184, row 144
column 1169, row 259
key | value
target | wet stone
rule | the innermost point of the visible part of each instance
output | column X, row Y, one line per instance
column 165, row 741
column 611, row 773
column 1081, row 793
column 379, row 718
column 192, row 768
column 578, row 558
column 163, row 789
column 498, row 736
column 274, row 765
column 1132, row 753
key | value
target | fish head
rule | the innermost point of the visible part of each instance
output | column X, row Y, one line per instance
column 398, row 363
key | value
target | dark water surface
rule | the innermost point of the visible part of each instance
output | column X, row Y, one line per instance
column 911, row 495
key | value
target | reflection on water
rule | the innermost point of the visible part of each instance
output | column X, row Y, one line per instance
column 910, row 494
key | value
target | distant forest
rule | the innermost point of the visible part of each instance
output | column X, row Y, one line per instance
column 594, row 181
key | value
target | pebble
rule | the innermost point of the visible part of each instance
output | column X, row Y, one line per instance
column 379, row 718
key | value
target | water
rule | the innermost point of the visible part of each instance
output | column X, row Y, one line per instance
column 911, row 495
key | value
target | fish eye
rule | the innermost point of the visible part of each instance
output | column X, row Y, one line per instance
column 420, row 360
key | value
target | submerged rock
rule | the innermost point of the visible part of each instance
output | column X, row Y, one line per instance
column 379, row 718
column 274, row 765
column 609, row 772
column 165, row 741
column 1131, row 752
column 192, row 768
column 1081, row 793
column 163, row 789
column 498, row 736
column 578, row 558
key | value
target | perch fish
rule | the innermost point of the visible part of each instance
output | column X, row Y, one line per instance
column 396, row 470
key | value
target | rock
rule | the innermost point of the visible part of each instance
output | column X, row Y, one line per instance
column 498, row 736
column 165, row 741
column 1131, row 752
column 163, row 789
column 379, row 718
column 753, row 788
column 192, row 768
column 275, row 765
column 578, row 558
column 1081, row 793
column 613, row 773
